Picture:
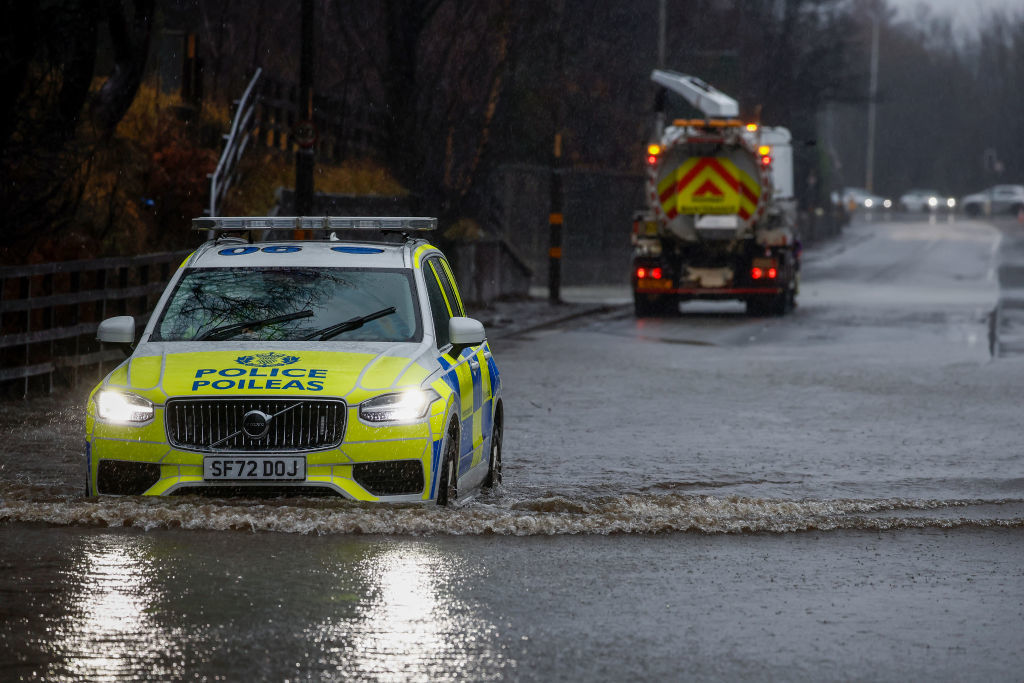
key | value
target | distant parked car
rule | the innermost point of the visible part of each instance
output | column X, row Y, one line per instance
column 994, row 200
column 858, row 198
column 917, row 201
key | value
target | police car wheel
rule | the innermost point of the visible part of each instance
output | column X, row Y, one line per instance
column 88, row 483
column 448, row 486
column 494, row 469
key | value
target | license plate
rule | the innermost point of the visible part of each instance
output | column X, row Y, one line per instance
column 646, row 285
column 243, row 468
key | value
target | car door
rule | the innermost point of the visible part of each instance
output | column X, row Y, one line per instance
column 999, row 200
column 467, row 368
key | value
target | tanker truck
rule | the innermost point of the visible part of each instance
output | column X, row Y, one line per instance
column 720, row 216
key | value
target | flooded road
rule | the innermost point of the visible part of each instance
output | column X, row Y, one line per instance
column 836, row 494
column 111, row 605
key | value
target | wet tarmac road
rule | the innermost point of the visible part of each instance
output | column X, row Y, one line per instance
column 837, row 495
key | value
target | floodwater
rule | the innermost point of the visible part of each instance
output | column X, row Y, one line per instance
column 42, row 478
column 838, row 494
column 96, row 604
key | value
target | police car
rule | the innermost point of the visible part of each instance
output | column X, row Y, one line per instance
column 301, row 366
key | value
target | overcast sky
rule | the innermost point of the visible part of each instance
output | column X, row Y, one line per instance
column 966, row 11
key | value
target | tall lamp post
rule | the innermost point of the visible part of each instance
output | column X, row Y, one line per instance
column 869, row 172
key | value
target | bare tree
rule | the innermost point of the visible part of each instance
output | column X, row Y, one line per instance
column 130, row 39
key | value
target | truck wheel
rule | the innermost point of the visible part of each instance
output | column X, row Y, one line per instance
column 655, row 306
column 769, row 305
column 647, row 306
column 972, row 210
column 756, row 306
column 779, row 304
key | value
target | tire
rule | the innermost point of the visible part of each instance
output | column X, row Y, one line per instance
column 769, row 305
column 654, row 306
column 494, row 466
column 779, row 305
column 642, row 307
column 756, row 306
column 88, row 474
column 448, row 482
column 972, row 210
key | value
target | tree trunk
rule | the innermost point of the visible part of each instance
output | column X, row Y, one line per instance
column 131, row 45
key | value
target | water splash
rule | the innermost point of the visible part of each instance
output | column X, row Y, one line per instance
column 505, row 514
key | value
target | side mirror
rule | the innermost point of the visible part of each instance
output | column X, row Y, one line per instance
column 465, row 332
column 119, row 330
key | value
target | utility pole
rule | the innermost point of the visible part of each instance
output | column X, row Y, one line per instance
column 305, row 133
column 659, row 103
column 869, row 173
column 555, row 217
column 662, row 19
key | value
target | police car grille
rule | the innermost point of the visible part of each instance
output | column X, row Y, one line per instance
column 216, row 424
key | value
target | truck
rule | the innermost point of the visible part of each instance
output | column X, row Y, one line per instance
column 720, row 214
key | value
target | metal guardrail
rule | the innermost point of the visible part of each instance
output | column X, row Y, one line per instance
column 236, row 142
column 49, row 313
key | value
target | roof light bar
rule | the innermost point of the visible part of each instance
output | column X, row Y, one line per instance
column 385, row 223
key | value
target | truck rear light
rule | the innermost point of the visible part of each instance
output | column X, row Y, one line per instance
column 656, row 273
column 756, row 273
column 772, row 273
column 653, row 150
column 641, row 273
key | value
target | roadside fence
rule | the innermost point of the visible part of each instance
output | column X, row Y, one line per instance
column 343, row 128
column 49, row 313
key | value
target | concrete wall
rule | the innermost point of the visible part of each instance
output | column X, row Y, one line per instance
column 489, row 270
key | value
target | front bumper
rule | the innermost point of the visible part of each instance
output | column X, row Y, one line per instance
column 372, row 463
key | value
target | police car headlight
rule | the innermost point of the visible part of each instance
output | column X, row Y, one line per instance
column 123, row 408
column 403, row 406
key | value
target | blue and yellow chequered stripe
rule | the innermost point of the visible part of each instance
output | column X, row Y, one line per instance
column 474, row 387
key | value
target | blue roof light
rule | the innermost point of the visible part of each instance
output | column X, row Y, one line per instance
column 358, row 250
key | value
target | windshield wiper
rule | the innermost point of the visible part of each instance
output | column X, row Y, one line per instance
column 350, row 324
column 227, row 331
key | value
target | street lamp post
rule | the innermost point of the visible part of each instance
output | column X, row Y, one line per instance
column 869, row 173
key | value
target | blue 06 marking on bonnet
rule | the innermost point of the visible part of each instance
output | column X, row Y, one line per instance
column 358, row 250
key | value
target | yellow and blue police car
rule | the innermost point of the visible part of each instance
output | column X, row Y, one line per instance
column 300, row 366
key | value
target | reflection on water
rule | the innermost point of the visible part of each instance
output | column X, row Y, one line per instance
column 108, row 634
column 411, row 624
column 172, row 605
column 404, row 620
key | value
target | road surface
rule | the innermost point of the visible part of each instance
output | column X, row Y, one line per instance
column 837, row 494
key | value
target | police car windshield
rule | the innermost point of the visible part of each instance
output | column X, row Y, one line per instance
column 206, row 299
